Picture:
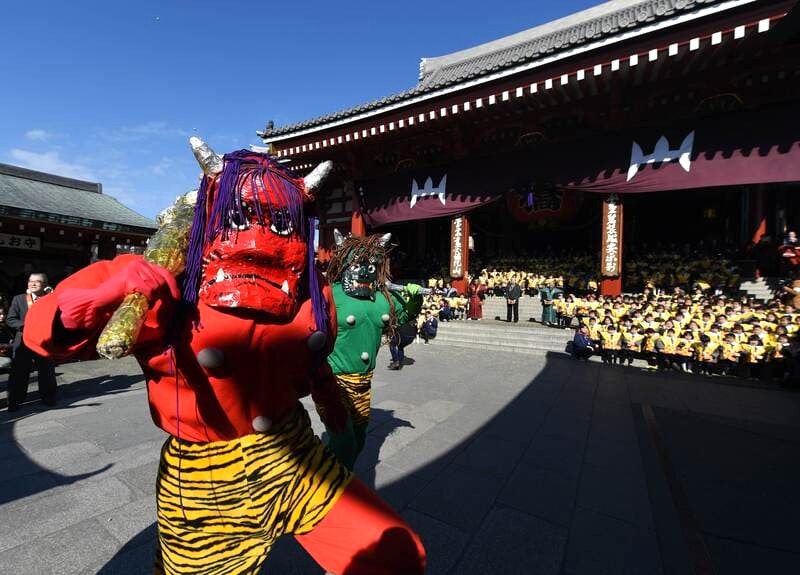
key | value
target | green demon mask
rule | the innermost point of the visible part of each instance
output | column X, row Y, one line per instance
column 363, row 260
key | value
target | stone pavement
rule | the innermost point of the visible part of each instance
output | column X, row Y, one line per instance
column 504, row 463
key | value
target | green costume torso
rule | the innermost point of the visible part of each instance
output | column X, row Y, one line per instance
column 363, row 333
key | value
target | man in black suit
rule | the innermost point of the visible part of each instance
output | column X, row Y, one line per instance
column 513, row 293
column 24, row 357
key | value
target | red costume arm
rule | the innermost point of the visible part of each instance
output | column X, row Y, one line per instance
column 45, row 333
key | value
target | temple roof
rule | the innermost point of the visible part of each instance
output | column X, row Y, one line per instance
column 82, row 203
column 594, row 24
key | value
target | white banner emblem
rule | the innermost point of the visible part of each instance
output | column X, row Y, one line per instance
column 662, row 153
column 428, row 190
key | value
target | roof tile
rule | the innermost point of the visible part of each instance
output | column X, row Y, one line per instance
column 25, row 189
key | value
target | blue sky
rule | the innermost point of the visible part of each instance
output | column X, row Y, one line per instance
column 111, row 91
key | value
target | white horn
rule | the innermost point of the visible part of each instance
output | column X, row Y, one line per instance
column 208, row 159
column 385, row 239
column 317, row 176
column 338, row 238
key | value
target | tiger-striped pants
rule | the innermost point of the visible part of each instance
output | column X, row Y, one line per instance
column 356, row 395
column 222, row 505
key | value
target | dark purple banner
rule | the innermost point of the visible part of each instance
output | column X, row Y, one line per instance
column 423, row 194
column 736, row 149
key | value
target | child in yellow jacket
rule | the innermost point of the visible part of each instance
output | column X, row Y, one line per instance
column 730, row 355
column 612, row 344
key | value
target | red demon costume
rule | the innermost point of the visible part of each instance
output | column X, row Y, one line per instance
column 226, row 363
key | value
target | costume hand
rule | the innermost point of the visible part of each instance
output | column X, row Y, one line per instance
column 336, row 417
column 342, row 442
column 412, row 289
column 140, row 276
column 325, row 392
column 86, row 308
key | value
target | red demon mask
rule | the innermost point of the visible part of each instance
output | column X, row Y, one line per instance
column 255, row 247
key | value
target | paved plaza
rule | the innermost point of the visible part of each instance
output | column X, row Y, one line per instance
column 504, row 463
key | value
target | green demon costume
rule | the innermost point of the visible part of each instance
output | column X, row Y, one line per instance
column 366, row 312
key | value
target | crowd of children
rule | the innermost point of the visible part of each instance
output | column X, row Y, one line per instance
column 578, row 272
column 701, row 334
column 444, row 308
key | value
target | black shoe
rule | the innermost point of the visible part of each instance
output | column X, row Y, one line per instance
column 13, row 407
column 50, row 401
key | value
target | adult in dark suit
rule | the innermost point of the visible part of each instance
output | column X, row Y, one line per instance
column 24, row 357
column 582, row 347
column 513, row 293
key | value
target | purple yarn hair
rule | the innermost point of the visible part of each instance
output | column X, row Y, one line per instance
column 227, row 209
column 194, row 257
column 318, row 303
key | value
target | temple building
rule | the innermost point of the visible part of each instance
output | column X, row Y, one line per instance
column 630, row 124
column 56, row 225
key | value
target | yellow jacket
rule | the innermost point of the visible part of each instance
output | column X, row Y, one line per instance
column 633, row 341
column 706, row 352
column 612, row 341
column 731, row 351
column 650, row 342
column 755, row 353
column 684, row 347
column 670, row 344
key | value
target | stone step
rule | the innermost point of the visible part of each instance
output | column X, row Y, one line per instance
column 759, row 293
column 505, row 335
column 492, row 312
column 757, row 287
column 502, row 301
column 764, row 288
column 503, row 344
column 532, row 348
column 489, row 327
column 524, row 315
column 501, row 312
column 499, row 335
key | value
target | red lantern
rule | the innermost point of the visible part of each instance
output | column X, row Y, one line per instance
column 543, row 204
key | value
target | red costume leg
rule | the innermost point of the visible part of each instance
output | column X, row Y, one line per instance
column 362, row 535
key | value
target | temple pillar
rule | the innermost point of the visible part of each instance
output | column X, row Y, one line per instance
column 611, row 250
column 758, row 214
column 323, row 245
column 357, row 225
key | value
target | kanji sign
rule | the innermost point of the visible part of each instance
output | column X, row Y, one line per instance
column 459, row 244
column 18, row 242
column 611, row 251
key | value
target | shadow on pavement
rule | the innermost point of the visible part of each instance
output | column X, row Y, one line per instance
column 24, row 477
column 136, row 557
column 383, row 423
column 739, row 478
